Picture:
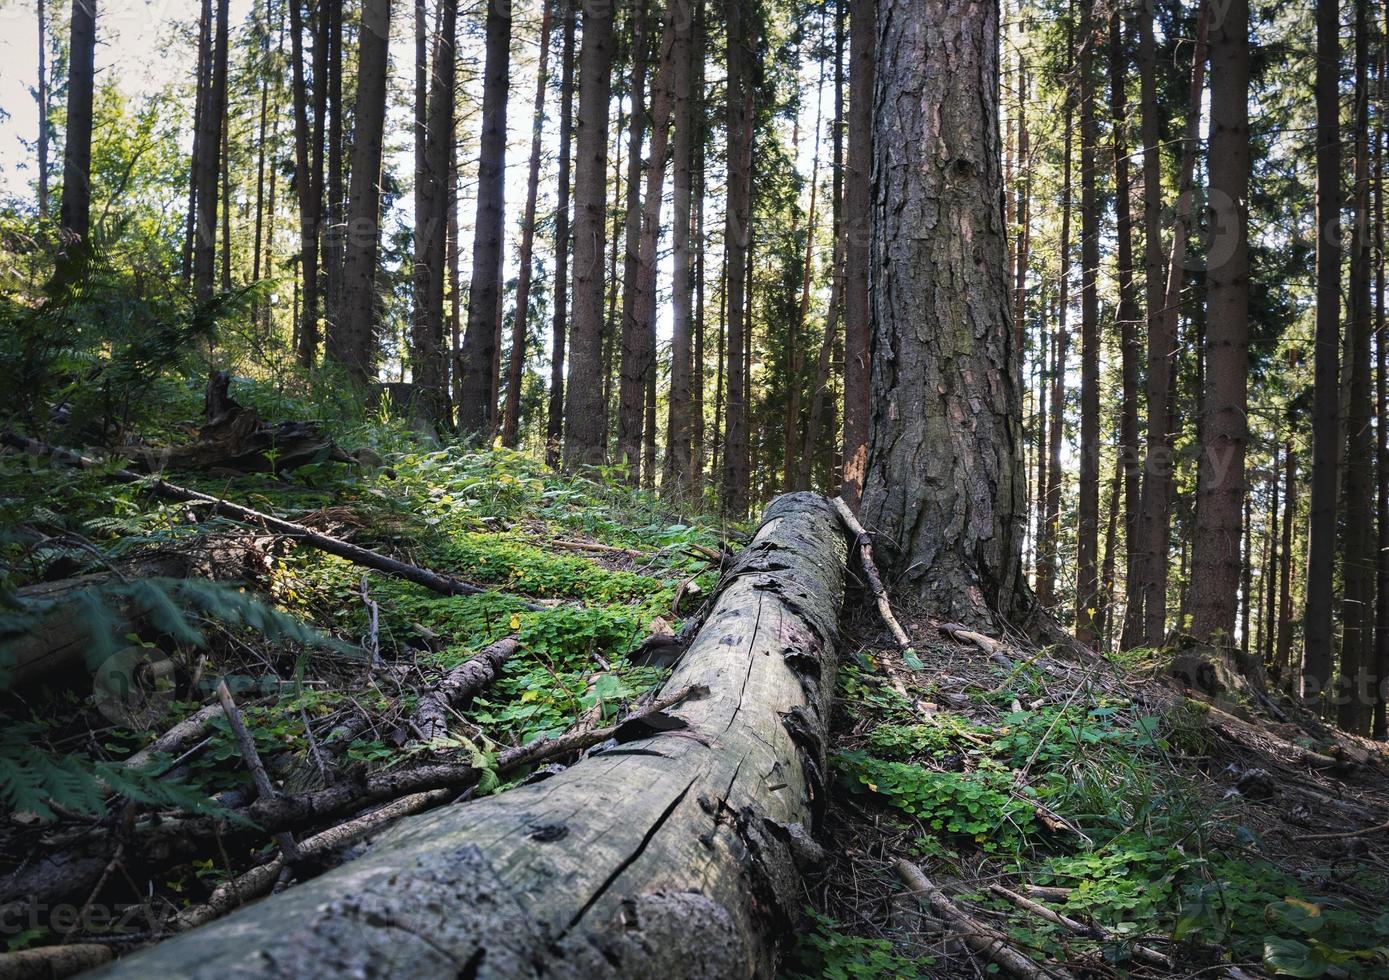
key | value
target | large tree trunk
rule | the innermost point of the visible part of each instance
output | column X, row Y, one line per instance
column 428, row 364
column 1216, row 549
column 478, row 404
column 75, row 216
column 1087, row 533
column 554, row 422
column 672, row 855
column 307, row 148
column 351, row 338
column 1321, row 527
column 1380, row 722
column 857, row 204
column 584, row 436
column 207, row 166
column 944, row 477
column 677, row 479
column 737, row 235
column 1357, row 610
column 516, row 363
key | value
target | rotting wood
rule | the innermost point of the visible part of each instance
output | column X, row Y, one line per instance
column 431, row 718
column 870, row 568
column 984, row 940
column 672, row 853
column 1140, row 953
column 365, row 557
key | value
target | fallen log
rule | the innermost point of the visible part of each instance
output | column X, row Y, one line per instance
column 365, row 557
column 52, row 962
column 672, row 853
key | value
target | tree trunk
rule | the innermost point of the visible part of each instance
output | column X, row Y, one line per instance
column 351, row 339
column 478, row 403
column 1087, row 533
column 664, row 856
column 1270, row 574
column 1357, row 611
column 1164, row 306
column 583, row 409
column 203, row 75
column 858, row 315
column 737, row 235
column 75, row 216
column 554, row 422
column 1380, row 721
column 428, row 357
column 225, row 204
column 1215, row 572
column 208, row 167
column 41, row 97
column 699, row 110
column 1321, row 526
column 334, row 234
column 1128, row 317
column 264, row 68
column 1285, row 592
column 946, row 488
column 677, row 478
column 307, row 147
column 517, row 362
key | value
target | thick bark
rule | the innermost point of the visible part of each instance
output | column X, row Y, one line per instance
column 944, row 484
column 1088, row 510
column 1358, row 573
column 208, row 166
column 75, row 215
column 478, row 404
column 1216, row 553
column 1164, row 307
column 673, row 854
column 1128, row 317
column 428, row 364
column 554, row 422
column 517, row 361
column 1321, row 526
column 858, row 322
column 737, row 236
column 351, row 339
column 677, row 478
column 584, row 436
column 630, row 392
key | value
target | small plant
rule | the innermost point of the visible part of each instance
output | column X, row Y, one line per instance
column 826, row 952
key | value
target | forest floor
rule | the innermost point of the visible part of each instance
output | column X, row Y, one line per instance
column 1159, row 820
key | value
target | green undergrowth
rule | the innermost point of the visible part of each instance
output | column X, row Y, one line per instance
column 1093, row 795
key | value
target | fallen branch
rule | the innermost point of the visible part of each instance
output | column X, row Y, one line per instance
column 1347, row 835
column 870, row 568
column 247, row 744
column 173, row 740
column 431, row 718
column 982, row 939
column 599, row 549
column 1140, row 953
column 53, row 962
column 365, row 557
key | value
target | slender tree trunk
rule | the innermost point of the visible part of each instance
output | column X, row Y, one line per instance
column 351, row 339
column 478, row 404
column 1047, row 546
column 1111, row 534
column 422, row 193
column 429, row 362
column 1357, row 612
column 611, row 324
column 947, row 491
column 75, row 215
column 1246, row 585
column 1285, row 576
column 637, row 372
column 1321, row 527
column 583, row 414
column 554, row 422
column 677, row 478
column 1164, row 306
column 1128, row 317
column 204, row 79
column 226, row 203
column 1043, row 456
column 700, row 131
column 735, row 477
column 333, row 231
column 307, row 148
column 857, row 233
column 1216, row 555
column 261, row 149
column 455, row 280
column 205, row 242
column 1087, row 534
column 41, row 97
column 821, row 397
column 1380, row 721
column 517, row 362
column 1270, row 572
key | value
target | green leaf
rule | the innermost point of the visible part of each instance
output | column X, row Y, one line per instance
column 1290, row 958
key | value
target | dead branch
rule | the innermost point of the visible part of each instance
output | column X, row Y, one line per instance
column 264, row 789
column 1141, row 953
column 461, row 683
column 870, row 568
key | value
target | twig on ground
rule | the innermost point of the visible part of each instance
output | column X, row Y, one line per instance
column 1347, row 835
column 984, row 940
column 1141, row 953
column 870, row 568
column 265, row 790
